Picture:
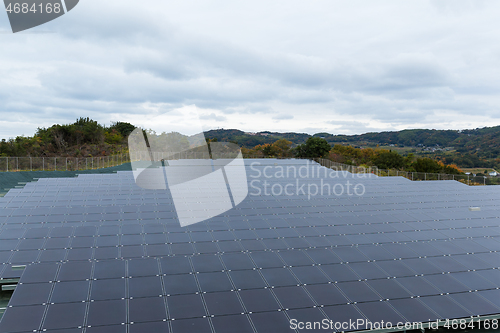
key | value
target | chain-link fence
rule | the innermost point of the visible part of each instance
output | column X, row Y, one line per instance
column 466, row 179
column 61, row 163
column 91, row 163
column 158, row 156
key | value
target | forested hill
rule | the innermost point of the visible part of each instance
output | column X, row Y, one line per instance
column 475, row 138
column 467, row 148
column 487, row 138
column 83, row 138
column 250, row 140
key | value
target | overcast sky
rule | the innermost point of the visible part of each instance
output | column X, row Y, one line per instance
column 342, row 67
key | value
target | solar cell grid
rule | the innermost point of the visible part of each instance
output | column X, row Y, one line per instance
column 122, row 247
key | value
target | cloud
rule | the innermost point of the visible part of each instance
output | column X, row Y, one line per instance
column 213, row 116
column 283, row 117
column 379, row 66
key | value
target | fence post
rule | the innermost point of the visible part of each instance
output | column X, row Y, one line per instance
column 17, row 163
column 425, row 175
column 7, row 163
column 55, row 163
column 31, row 164
column 43, row 163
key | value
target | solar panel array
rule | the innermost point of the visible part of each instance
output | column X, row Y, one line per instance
column 104, row 255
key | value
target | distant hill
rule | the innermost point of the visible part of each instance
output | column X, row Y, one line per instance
column 476, row 138
column 487, row 138
column 467, row 148
column 477, row 144
column 250, row 140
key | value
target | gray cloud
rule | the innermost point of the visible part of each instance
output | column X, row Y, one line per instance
column 213, row 116
column 283, row 117
column 412, row 64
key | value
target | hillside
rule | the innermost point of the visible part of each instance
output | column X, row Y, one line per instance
column 467, row 148
column 487, row 138
column 249, row 140
column 83, row 138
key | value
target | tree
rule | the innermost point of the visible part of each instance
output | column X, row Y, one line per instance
column 58, row 133
column 453, row 169
column 350, row 155
column 387, row 159
column 408, row 161
column 426, row 164
column 281, row 148
column 93, row 132
column 123, row 128
column 113, row 137
column 314, row 147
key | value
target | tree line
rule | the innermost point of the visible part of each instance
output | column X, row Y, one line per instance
column 84, row 137
column 467, row 148
column 316, row 147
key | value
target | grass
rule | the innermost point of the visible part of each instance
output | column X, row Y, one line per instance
column 477, row 170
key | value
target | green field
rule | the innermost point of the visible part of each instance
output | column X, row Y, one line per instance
column 477, row 170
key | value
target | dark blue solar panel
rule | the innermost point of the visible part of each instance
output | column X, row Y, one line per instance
column 104, row 255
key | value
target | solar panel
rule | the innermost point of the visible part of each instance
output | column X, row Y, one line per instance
column 103, row 255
